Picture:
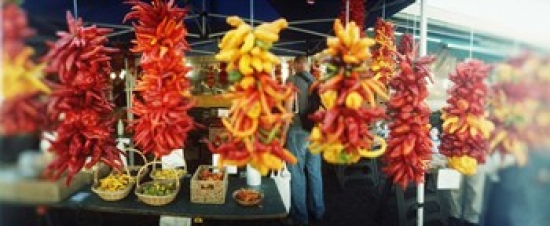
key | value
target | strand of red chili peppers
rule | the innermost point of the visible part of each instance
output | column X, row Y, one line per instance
column 22, row 88
column 409, row 145
column 356, row 13
column 513, row 108
column 465, row 129
column 162, row 123
column 257, row 115
column 347, row 92
column 384, row 55
column 78, row 109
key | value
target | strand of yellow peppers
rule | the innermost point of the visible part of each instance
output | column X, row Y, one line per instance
column 22, row 88
column 162, row 123
column 409, row 145
column 465, row 130
column 347, row 93
column 78, row 108
column 257, row 115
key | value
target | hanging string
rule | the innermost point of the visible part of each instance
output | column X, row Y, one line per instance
column 252, row 13
column 471, row 42
column 347, row 11
column 384, row 10
column 75, row 8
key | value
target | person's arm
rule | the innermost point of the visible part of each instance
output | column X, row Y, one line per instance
column 289, row 103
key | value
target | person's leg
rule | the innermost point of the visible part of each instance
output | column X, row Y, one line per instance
column 315, row 185
column 455, row 202
column 298, row 204
column 475, row 186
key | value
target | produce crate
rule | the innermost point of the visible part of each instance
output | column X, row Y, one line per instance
column 208, row 191
column 37, row 191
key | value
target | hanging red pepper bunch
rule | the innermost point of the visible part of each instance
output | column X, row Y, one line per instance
column 22, row 88
column 257, row 115
column 384, row 55
column 15, row 30
column 514, row 107
column 409, row 145
column 79, row 110
column 356, row 13
column 465, row 130
column 347, row 93
column 162, row 123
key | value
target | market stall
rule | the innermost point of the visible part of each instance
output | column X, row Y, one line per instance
column 183, row 109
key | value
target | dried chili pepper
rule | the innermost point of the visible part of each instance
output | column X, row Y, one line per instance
column 78, row 109
column 464, row 118
column 347, row 93
column 257, row 115
column 409, row 145
column 162, row 123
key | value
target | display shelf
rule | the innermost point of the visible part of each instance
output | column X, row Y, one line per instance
column 271, row 206
column 211, row 101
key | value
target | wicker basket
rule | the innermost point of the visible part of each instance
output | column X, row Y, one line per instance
column 208, row 192
column 136, row 168
column 111, row 195
column 155, row 200
column 152, row 174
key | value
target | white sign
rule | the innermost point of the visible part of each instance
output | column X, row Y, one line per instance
column 230, row 169
column 174, row 159
column 448, row 179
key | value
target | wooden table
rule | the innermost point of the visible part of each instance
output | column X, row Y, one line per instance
column 271, row 207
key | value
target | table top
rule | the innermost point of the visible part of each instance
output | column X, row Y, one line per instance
column 271, row 207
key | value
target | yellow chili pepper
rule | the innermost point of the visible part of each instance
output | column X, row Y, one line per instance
column 328, row 98
column 354, row 100
column 247, row 82
column 254, row 111
column 463, row 164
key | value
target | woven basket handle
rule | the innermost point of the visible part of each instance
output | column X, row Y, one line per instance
column 139, row 153
column 154, row 163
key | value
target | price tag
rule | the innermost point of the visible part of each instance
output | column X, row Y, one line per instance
column 174, row 159
column 448, row 179
column 223, row 113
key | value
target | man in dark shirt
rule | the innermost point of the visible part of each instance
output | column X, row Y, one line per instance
column 306, row 191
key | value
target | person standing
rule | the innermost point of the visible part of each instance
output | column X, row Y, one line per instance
column 306, row 182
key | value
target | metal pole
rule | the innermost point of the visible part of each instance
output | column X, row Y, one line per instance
column 252, row 13
column 423, row 52
column 75, row 8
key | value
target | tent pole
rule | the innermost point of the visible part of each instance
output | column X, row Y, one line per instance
column 423, row 52
column 75, row 8
column 252, row 13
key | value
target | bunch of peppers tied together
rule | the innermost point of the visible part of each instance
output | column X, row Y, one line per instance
column 78, row 108
column 341, row 132
column 538, row 135
column 513, row 109
column 465, row 130
column 22, row 88
column 257, row 115
column 409, row 145
column 162, row 123
column 384, row 56
column 356, row 12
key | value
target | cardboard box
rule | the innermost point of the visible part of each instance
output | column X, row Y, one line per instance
column 35, row 191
